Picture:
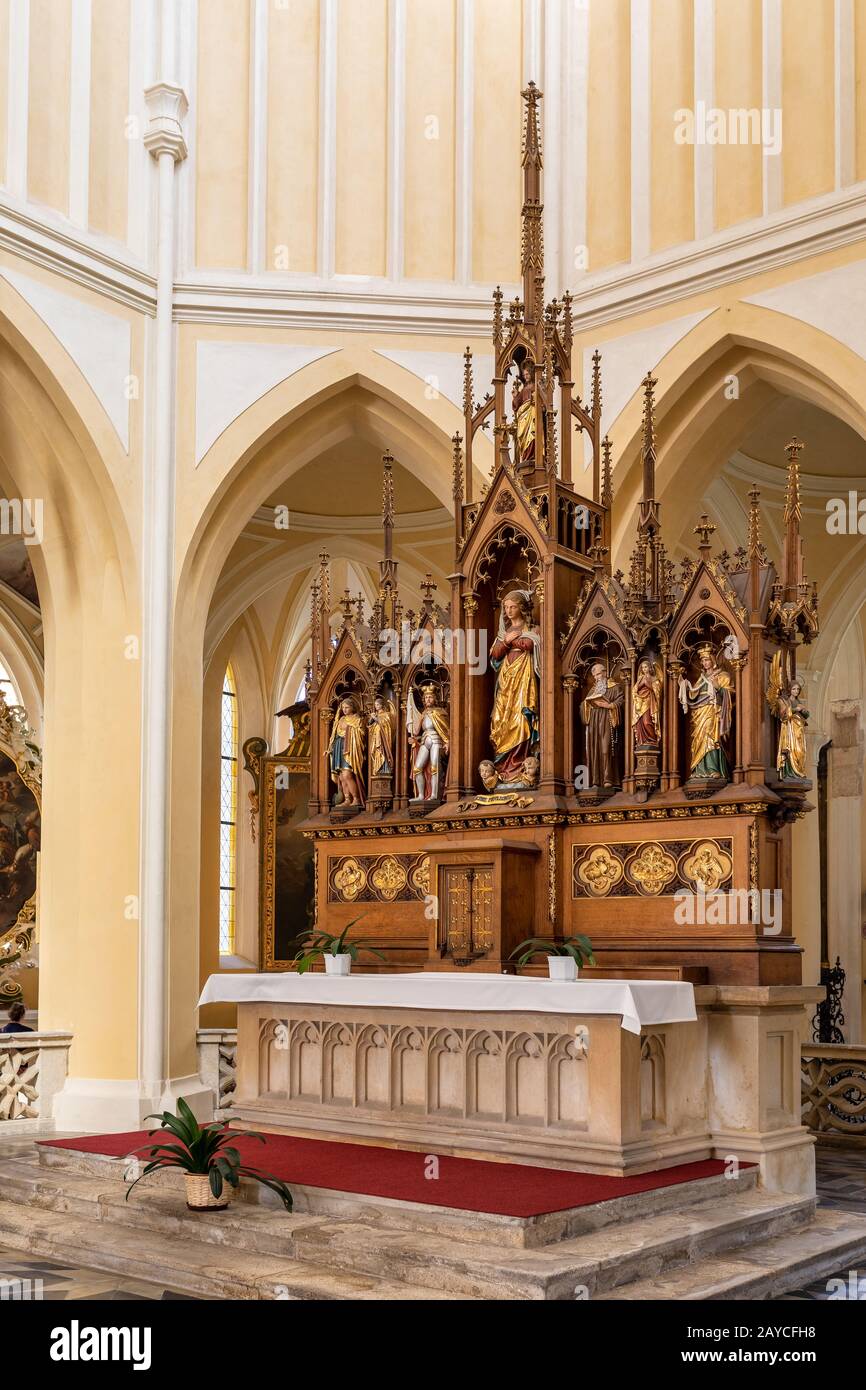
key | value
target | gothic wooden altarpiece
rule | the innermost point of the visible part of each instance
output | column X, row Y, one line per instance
column 631, row 738
column 20, row 831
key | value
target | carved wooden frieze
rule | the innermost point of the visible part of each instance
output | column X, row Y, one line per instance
column 385, row 878
column 651, row 868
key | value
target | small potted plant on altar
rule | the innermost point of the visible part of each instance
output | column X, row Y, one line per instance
column 211, row 1165
column 563, row 957
column 337, row 953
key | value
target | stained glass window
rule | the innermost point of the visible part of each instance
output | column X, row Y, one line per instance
column 228, row 812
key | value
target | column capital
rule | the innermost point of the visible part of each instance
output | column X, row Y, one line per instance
column 166, row 106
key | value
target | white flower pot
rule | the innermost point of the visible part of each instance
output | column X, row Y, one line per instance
column 338, row 965
column 562, row 967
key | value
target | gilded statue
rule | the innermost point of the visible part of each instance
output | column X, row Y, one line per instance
column 707, row 702
column 345, row 751
column 382, row 725
column 523, row 406
column 601, row 712
column 429, row 737
column 646, row 705
column 786, row 704
column 515, row 657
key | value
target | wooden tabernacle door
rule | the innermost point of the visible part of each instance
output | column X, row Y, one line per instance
column 470, row 882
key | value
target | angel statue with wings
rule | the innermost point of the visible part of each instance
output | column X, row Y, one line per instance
column 429, row 740
column 785, row 703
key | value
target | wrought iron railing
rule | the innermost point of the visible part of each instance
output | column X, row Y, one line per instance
column 834, row 1092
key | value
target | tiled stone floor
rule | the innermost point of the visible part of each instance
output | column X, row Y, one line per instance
column 841, row 1183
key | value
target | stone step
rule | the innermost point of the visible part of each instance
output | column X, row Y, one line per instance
column 835, row 1240
column 487, row 1228
column 193, row 1267
column 594, row 1262
column 434, row 1259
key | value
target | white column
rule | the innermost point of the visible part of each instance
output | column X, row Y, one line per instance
column 575, row 128
column 258, row 136
column 327, row 135
column 641, row 145
column 845, row 112
column 79, row 113
column 18, row 98
column 772, row 98
column 396, row 135
column 465, row 143
column 844, row 853
column 705, row 167
column 164, row 139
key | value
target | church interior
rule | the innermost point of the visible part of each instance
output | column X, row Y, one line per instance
column 433, row 651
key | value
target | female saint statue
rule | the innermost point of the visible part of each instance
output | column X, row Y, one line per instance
column 646, row 705
column 708, row 705
column 345, row 751
column 523, row 406
column 793, row 716
column 515, row 657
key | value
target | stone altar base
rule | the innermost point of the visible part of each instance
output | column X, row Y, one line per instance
column 555, row 1089
column 712, row 1238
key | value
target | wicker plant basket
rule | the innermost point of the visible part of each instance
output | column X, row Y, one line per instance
column 199, row 1196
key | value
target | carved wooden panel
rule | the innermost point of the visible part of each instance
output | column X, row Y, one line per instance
column 651, row 868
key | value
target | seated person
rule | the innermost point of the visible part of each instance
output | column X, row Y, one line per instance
column 16, row 1013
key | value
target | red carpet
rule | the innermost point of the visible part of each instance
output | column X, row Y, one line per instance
column 503, row 1189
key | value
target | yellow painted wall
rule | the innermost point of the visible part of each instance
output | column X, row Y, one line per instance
column 222, row 133
column 4, row 67
column 496, row 166
column 672, row 212
column 48, row 116
column 293, row 137
column 808, row 84
column 738, row 86
column 609, row 134
column 362, row 143
column 109, row 106
column 429, row 143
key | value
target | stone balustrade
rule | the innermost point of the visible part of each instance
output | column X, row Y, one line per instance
column 217, row 1054
column 33, row 1068
column 834, row 1092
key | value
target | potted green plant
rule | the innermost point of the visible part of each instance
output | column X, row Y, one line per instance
column 336, row 951
column 210, row 1163
column 563, row 957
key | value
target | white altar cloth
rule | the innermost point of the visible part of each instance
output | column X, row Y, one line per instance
column 639, row 1002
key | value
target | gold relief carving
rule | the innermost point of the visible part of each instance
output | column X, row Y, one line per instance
column 753, row 855
column 495, row 799
column 420, row 875
column 707, row 866
column 652, row 869
column 600, row 871
column 551, row 877
column 482, row 910
column 350, row 880
column 389, row 878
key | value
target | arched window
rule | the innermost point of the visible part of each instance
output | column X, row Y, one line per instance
column 10, row 690
column 228, row 812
